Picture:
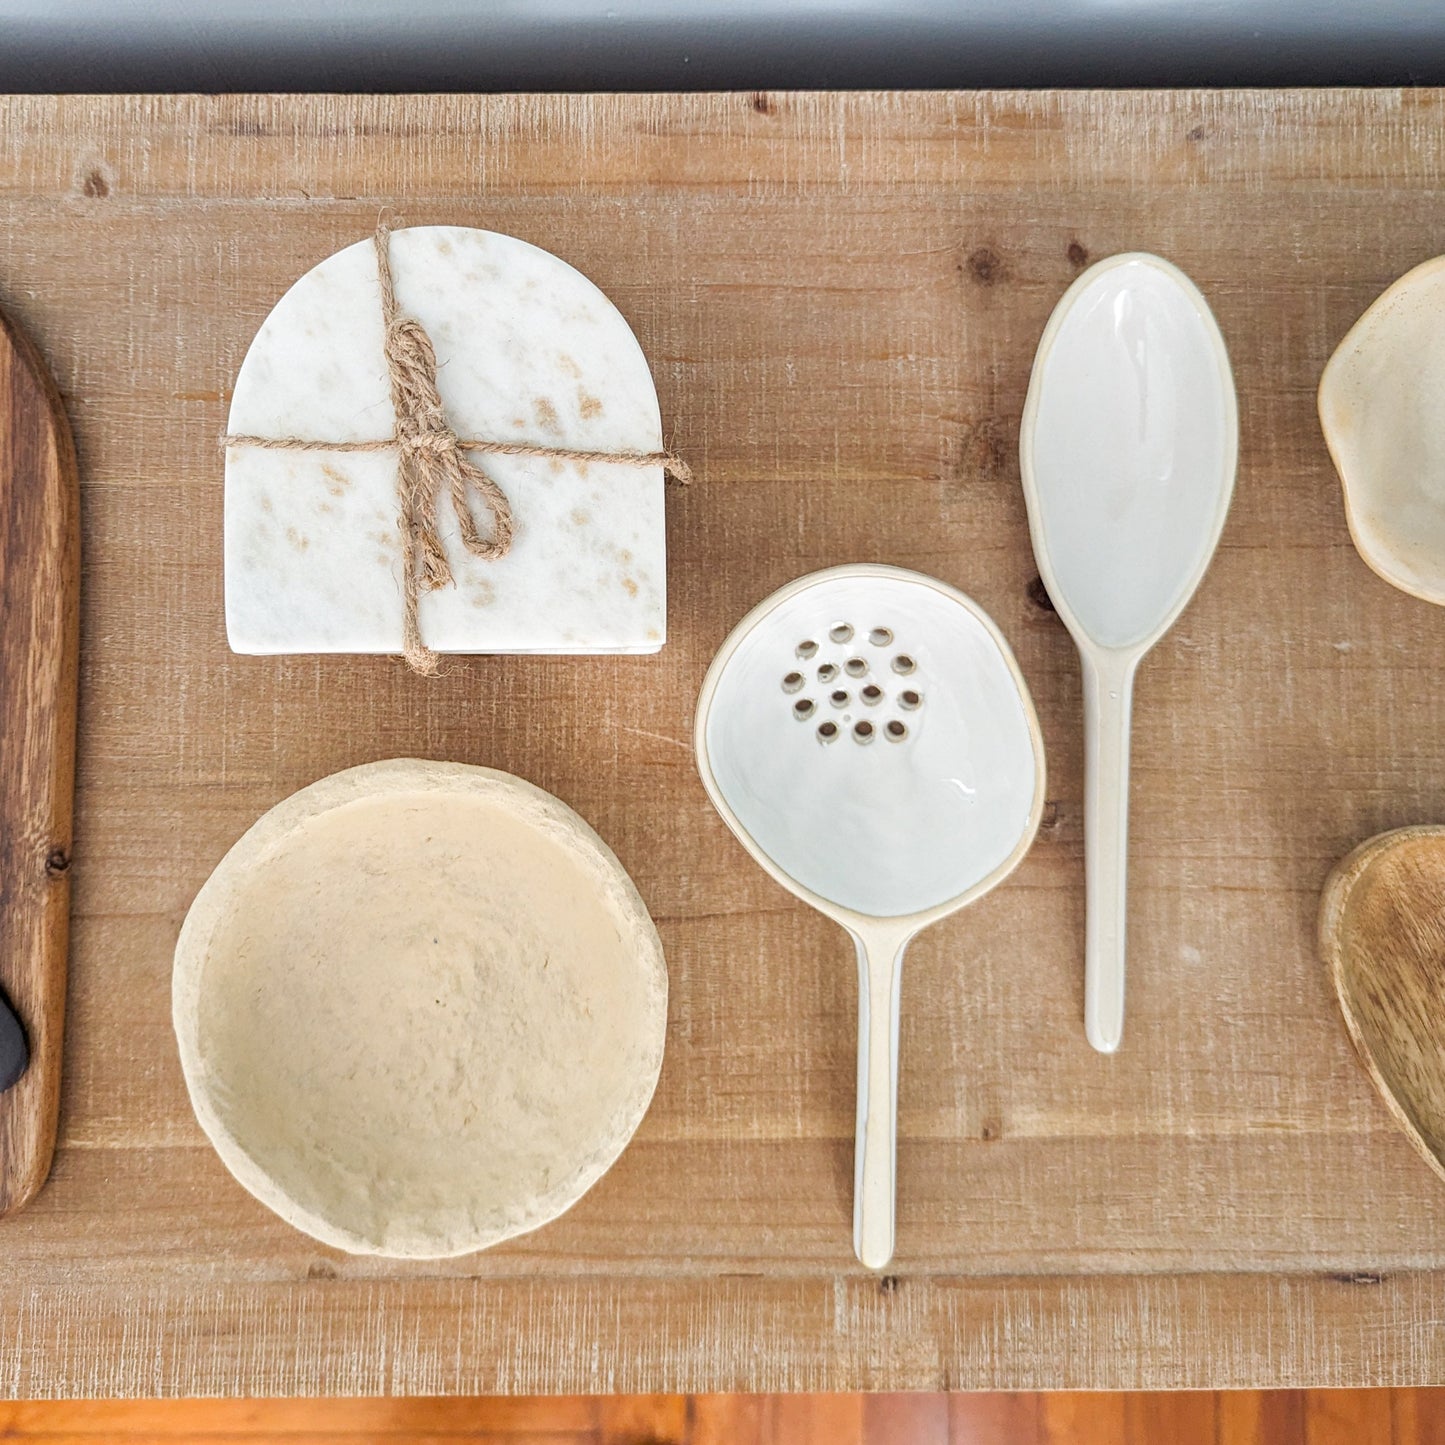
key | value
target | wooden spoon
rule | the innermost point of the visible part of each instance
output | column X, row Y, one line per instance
column 1382, row 936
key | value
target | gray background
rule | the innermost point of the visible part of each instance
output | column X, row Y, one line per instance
column 383, row 45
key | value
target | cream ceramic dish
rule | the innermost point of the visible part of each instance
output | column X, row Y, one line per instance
column 420, row 1008
column 1382, row 414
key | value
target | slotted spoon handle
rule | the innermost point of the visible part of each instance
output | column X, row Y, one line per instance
column 880, row 974
column 1108, row 704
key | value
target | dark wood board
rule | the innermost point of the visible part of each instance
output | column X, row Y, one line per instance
column 39, row 675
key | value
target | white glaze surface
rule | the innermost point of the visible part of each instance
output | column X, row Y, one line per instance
column 1382, row 408
column 1128, row 449
column 883, row 828
column 528, row 350
column 885, row 834
column 420, row 1008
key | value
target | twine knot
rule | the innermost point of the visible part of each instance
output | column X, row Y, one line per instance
column 432, row 464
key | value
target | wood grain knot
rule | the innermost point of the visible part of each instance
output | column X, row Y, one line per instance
column 986, row 266
column 1078, row 255
column 1039, row 596
column 57, row 862
column 983, row 450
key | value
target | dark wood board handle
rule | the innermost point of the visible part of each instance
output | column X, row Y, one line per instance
column 39, row 670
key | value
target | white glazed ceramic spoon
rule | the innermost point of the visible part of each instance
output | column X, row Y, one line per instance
column 867, row 735
column 1128, row 450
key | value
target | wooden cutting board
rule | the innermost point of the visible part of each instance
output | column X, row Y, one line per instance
column 39, row 673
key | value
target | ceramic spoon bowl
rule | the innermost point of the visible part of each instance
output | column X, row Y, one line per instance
column 1127, row 450
column 1382, row 936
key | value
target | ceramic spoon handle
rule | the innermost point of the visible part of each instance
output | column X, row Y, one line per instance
column 1108, row 700
column 880, row 972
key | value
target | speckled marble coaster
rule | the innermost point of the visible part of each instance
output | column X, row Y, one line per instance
column 528, row 350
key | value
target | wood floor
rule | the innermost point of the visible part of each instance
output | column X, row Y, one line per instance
column 1280, row 1417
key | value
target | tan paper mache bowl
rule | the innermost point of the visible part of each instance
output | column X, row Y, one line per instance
column 420, row 1008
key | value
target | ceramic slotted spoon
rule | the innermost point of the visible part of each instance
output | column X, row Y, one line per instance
column 867, row 735
column 1128, row 449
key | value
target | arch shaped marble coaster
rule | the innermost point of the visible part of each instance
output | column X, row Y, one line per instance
column 528, row 350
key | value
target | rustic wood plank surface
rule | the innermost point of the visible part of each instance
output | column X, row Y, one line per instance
column 840, row 297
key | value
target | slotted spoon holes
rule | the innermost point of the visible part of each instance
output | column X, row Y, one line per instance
column 829, row 670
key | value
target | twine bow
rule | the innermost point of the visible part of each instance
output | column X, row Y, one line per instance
column 432, row 464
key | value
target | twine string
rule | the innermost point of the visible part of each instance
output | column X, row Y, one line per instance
column 432, row 463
